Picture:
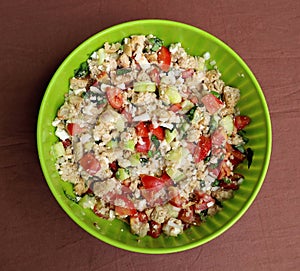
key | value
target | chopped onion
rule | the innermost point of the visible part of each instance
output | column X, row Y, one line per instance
column 143, row 117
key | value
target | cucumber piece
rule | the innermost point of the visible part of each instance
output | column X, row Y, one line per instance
column 175, row 174
column 146, row 86
column 186, row 106
column 197, row 116
column 122, row 174
column 101, row 56
column 170, row 135
column 135, row 159
column 87, row 202
column 173, row 95
column 227, row 124
column 129, row 145
column 58, row 149
column 112, row 144
column 174, row 155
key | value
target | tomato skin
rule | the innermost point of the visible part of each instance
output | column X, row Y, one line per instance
column 74, row 129
column 202, row 149
column 150, row 182
column 211, row 103
column 235, row 156
column 127, row 210
column 155, row 229
column 66, row 143
column 142, row 129
column 175, row 107
column 187, row 215
column 159, row 132
column 143, row 148
column 90, row 164
column 164, row 58
column 202, row 199
column 115, row 97
column 174, row 197
column 240, row 122
column 114, row 166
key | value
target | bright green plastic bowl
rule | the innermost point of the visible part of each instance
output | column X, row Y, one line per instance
column 234, row 72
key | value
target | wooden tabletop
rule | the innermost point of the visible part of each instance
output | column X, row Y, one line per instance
column 36, row 36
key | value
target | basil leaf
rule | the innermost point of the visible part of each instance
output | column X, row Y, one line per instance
column 249, row 155
column 155, row 141
column 191, row 112
column 156, row 44
column 82, row 71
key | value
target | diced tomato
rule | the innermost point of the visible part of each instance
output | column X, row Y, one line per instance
column 164, row 58
column 175, row 107
column 194, row 100
column 174, row 197
column 238, row 157
column 142, row 129
column 90, row 164
column 200, row 206
column 235, row 156
column 150, row 182
column 240, row 122
column 166, row 179
column 127, row 115
column 66, row 143
column 187, row 215
column 124, row 206
column 113, row 166
column 155, row 229
column 143, row 147
column 74, row 129
column 211, row 103
column 202, row 199
column 154, row 75
column 159, row 132
column 115, row 97
column 142, row 217
column 187, row 73
column 218, row 139
column 202, row 149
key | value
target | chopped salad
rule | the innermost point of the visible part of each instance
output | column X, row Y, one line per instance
column 149, row 135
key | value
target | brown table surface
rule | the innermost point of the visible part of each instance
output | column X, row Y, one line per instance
column 36, row 36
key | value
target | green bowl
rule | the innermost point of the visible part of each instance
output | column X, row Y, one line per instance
column 234, row 72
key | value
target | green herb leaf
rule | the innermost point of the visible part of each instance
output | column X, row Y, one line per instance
column 242, row 134
column 240, row 148
column 155, row 141
column 216, row 94
column 156, row 44
column 144, row 160
column 191, row 112
column 70, row 197
column 215, row 183
column 82, row 71
column 249, row 156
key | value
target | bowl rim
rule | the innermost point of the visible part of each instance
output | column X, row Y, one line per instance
column 232, row 220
